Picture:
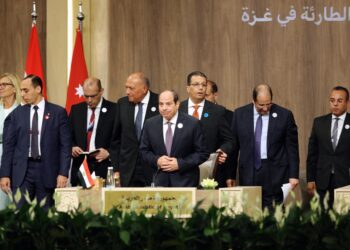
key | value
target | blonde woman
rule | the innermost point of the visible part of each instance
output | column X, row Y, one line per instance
column 9, row 99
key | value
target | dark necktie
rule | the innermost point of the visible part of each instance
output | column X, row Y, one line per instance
column 34, row 148
column 168, row 138
column 258, row 132
column 138, row 121
column 195, row 112
column 90, row 129
column 335, row 133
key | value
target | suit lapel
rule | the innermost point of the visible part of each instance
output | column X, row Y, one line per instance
column 101, row 119
column 327, row 128
column 151, row 107
column 184, row 106
column 273, row 119
column 249, row 121
column 46, row 118
column 177, row 133
column 206, row 112
column 28, row 120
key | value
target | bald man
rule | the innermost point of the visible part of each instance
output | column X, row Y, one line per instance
column 133, row 110
column 266, row 139
column 91, row 123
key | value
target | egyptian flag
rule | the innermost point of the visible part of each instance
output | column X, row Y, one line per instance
column 84, row 175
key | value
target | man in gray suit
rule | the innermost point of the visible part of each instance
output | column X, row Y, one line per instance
column 328, row 157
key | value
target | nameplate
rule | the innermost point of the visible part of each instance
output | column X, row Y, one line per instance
column 178, row 201
column 342, row 200
column 237, row 200
column 66, row 199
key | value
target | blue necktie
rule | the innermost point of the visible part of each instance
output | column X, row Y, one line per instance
column 258, row 132
column 138, row 121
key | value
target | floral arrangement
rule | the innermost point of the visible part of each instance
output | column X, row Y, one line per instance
column 209, row 183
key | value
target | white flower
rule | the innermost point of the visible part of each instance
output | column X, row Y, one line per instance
column 209, row 183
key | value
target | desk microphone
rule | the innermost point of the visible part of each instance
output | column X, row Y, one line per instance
column 153, row 184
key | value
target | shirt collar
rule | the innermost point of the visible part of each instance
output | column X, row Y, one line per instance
column 257, row 114
column 145, row 100
column 41, row 104
column 172, row 120
column 191, row 104
column 342, row 117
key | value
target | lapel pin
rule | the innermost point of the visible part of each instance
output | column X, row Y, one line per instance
column 180, row 125
column 347, row 126
column 153, row 109
column 206, row 115
column 47, row 116
column 274, row 115
column 104, row 110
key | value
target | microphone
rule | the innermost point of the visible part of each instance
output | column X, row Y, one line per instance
column 153, row 184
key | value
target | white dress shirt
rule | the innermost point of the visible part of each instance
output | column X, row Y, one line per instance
column 41, row 109
column 173, row 124
column 191, row 108
column 340, row 124
column 265, row 126
column 145, row 102
column 92, row 145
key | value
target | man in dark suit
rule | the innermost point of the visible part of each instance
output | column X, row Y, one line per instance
column 133, row 110
column 266, row 139
column 328, row 157
column 91, row 123
column 173, row 143
column 225, row 174
column 216, row 129
column 37, row 146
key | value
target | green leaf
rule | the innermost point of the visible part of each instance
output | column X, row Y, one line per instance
column 125, row 237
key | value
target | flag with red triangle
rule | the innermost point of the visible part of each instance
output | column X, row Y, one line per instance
column 78, row 73
column 34, row 63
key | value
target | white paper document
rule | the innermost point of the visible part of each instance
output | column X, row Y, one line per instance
column 286, row 188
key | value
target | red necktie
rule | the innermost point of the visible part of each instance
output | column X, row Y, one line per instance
column 195, row 112
column 90, row 129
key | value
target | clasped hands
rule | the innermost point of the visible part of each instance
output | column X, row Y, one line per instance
column 167, row 164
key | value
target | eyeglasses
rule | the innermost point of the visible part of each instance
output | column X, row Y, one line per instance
column 4, row 84
column 198, row 85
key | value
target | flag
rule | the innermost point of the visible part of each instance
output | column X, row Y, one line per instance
column 34, row 64
column 85, row 176
column 78, row 73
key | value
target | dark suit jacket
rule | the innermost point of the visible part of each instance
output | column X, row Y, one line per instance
column 104, row 132
column 125, row 143
column 215, row 126
column 188, row 147
column 321, row 156
column 282, row 145
column 55, row 145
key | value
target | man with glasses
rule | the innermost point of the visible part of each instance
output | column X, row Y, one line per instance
column 266, row 140
column 91, row 123
column 218, row 136
column 329, row 148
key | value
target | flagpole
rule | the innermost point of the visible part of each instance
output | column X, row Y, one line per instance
column 80, row 17
column 34, row 14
